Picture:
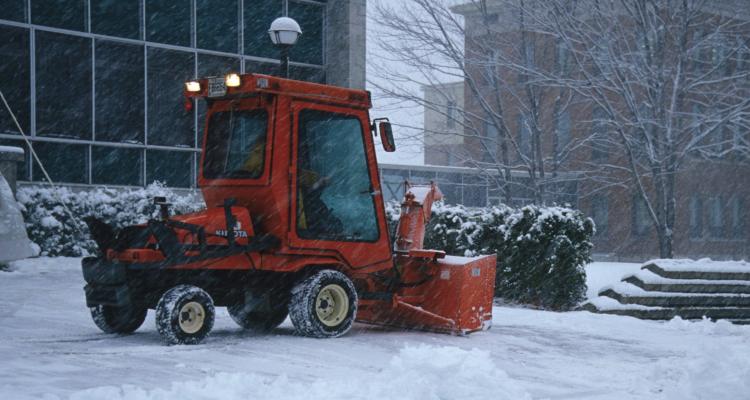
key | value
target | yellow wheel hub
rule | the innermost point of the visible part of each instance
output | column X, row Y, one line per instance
column 331, row 305
column 192, row 316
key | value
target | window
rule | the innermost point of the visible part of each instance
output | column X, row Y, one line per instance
column 173, row 168
column 65, row 14
column 450, row 185
column 258, row 15
column 116, row 18
column 392, row 181
column 474, row 191
column 563, row 58
column 168, row 122
column 563, row 131
column 450, row 114
column 739, row 218
column 217, row 24
column 599, row 151
column 116, row 166
column 64, row 162
column 261, row 68
column 715, row 217
column 600, row 214
column 333, row 187
column 63, row 85
column 696, row 217
column 236, row 146
column 490, row 142
column 309, row 48
column 119, row 92
column 13, row 10
column 309, row 74
column 528, row 53
column 168, row 21
column 14, row 78
column 641, row 218
column 524, row 136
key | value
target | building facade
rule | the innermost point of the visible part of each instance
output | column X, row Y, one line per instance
column 97, row 84
column 711, row 217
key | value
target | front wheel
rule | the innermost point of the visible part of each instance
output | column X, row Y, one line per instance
column 323, row 305
column 111, row 319
column 185, row 315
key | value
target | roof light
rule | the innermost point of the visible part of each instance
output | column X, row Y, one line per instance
column 233, row 80
column 193, row 86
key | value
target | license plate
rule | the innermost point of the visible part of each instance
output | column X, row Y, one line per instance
column 217, row 87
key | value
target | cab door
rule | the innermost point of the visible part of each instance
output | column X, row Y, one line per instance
column 336, row 197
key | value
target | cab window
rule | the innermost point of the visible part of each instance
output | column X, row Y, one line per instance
column 334, row 191
column 236, row 145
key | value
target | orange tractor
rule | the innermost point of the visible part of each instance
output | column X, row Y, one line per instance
column 295, row 226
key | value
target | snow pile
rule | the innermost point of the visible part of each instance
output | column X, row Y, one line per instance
column 14, row 243
column 712, row 373
column 49, row 224
column 416, row 373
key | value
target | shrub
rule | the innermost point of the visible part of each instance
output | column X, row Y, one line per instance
column 51, row 227
column 541, row 251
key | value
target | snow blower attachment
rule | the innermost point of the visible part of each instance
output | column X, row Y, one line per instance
column 295, row 226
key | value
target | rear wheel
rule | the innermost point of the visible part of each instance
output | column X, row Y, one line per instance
column 324, row 305
column 185, row 315
column 112, row 319
column 260, row 321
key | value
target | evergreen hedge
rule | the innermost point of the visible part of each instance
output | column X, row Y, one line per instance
column 541, row 251
column 51, row 227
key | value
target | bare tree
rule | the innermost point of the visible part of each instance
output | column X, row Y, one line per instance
column 500, row 89
column 668, row 81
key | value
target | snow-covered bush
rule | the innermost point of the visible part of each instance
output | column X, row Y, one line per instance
column 51, row 227
column 541, row 250
column 541, row 253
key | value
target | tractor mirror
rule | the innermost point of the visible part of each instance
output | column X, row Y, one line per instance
column 386, row 136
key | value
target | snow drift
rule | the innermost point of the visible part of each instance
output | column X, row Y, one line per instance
column 416, row 373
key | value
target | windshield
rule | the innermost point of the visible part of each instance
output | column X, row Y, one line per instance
column 235, row 145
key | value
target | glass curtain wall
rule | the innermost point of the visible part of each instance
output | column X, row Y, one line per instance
column 97, row 84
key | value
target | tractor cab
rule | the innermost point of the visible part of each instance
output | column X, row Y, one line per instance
column 300, row 157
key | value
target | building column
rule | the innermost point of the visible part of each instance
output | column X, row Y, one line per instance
column 345, row 43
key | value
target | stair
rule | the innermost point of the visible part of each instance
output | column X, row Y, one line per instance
column 664, row 289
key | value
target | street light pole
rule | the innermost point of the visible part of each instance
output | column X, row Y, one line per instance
column 284, row 33
column 284, row 61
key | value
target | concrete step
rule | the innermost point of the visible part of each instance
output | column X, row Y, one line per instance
column 684, row 286
column 661, row 299
column 697, row 273
column 728, row 313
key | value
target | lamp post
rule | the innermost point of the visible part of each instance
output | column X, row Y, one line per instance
column 284, row 33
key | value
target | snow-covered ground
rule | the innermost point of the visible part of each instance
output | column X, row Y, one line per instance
column 50, row 349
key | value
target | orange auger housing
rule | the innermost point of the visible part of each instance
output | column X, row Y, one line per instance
column 295, row 224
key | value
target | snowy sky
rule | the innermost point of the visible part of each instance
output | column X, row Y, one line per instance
column 399, row 114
